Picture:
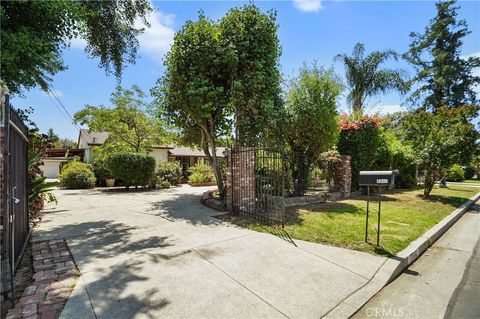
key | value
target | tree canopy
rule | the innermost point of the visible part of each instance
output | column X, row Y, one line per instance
column 311, row 120
column 34, row 33
column 129, row 125
column 221, row 75
column 444, row 77
column 366, row 77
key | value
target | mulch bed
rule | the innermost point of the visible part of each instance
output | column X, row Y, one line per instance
column 55, row 275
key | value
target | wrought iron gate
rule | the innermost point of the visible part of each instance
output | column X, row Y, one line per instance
column 257, row 182
column 14, row 203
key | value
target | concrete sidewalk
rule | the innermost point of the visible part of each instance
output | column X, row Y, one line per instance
column 441, row 283
column 160, row 254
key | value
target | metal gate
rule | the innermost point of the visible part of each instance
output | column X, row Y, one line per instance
column 257, row 183
column 14, row 210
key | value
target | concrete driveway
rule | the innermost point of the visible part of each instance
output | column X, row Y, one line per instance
column 161, row 254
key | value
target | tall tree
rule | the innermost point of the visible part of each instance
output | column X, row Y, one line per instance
column 311, row 120
column 253, row 60
column 193, row 93
column 440, row 140
column 34, row 33
column 52, row 136
column 217, row 73
column 367, row 78
column 129, row 125
column 444, row 78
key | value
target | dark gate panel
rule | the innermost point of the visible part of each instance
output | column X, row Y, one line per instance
column 258, row 183
column 14, row 194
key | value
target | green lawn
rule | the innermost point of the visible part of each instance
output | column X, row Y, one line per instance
column 473, row 181
column 405, row 216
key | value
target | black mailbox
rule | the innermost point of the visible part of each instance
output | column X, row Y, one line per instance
column 377, row 178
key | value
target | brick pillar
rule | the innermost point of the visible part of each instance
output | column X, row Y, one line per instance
column 345, row 176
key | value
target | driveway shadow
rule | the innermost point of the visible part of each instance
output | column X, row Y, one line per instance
column 186, row 207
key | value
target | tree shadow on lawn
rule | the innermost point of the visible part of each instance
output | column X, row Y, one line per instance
column 293, row 214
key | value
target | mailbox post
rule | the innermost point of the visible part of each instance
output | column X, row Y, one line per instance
column 378, row 179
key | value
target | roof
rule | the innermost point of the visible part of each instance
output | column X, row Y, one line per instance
column 93, row 138
column 98, row 138
column 187, row 151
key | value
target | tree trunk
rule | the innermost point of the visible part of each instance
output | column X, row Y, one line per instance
column 428, row 183
column 300, row 171
column 212, row 158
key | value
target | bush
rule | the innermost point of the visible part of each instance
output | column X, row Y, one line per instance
column 393, row 155
column 77, row 175
column 455, row 174
column 101, row 171
column 170, row 172
column 469, row 172
column 361, row 140
column 133, row 169
column 166, row 184
column 331, row 163
column 201, row 174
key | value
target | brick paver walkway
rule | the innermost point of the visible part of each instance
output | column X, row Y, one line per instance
column 55, row 275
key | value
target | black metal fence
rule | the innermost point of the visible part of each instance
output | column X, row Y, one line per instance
column 258, row 182
column 15, row 224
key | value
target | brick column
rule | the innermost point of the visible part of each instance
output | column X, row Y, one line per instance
column 241, row 178
column 345, row 177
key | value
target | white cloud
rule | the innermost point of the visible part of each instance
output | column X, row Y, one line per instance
column 78, row 43
column 157, row 39
column 308, row 5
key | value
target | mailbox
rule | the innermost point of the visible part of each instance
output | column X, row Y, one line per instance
column 377, row 178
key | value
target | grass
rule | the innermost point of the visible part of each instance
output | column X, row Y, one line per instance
column 404, row 217
column 473, row 181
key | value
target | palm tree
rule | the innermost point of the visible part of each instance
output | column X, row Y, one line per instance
column 366, row 77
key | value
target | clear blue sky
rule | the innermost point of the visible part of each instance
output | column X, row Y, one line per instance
column 309, row 30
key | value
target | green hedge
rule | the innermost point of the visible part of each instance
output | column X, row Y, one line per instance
column 133, row 169
column 455, row 173
column 360, row 139
column 77, row 175
column 170, row 172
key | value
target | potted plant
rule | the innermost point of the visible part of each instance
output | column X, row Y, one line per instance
column 110, row 181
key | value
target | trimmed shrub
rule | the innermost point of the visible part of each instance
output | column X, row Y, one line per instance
column 455, row 173
column 170, row 172
column 201, row 174
column 469, row 172
column 361, row 140
column 77, row 175
column 101, row 171
column 166, row 184
column 134, row 169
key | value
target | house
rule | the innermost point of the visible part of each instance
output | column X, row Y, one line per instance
column 54, row 159
column 185, row 155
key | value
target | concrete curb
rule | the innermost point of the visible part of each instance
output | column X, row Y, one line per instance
column 394, row 266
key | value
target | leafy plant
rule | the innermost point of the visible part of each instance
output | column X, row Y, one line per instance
column 331, row 163
column 166, row 184
column 469, row 172
column 134, row 169
column 77, row 175
column 201, row 174
column 170, row 171
column 310, row 120
column 360, row 139
column 100, row 170
column 39, row 190
column 455, row 173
